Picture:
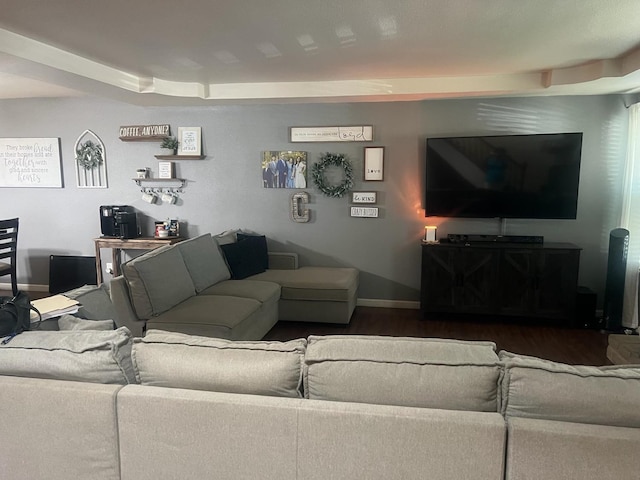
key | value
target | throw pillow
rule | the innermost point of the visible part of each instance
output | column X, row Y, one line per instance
column 246, row 257
column 71, row 322
column 259, row 242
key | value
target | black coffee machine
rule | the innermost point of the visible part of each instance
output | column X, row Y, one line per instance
column 118, row 221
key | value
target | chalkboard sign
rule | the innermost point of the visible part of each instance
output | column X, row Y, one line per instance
column 30, row 162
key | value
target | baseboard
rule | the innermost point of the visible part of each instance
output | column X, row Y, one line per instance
column 381, row 303
column 27, row 287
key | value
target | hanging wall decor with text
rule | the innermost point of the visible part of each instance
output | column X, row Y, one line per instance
column 30, row 162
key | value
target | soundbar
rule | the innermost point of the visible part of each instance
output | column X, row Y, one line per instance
column 475, row 238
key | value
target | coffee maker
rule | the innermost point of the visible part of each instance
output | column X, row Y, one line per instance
column 118, row 221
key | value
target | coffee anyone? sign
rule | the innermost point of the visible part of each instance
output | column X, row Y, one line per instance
column 144, row 133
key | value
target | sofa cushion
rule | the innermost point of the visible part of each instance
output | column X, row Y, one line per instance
column 71, row 322
column 246, row 257
column 95, row 302
column 219, row 310
column 171, row 359
column 551, row 450
column 228, row 236
column 204, row 261
column 258, row 290
column 147, row 275
column 55, row 430
column 314, row 283
column 541, row 389
column 84, row 356
column 414, row 372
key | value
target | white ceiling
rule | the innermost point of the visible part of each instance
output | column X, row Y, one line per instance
column 201, row 52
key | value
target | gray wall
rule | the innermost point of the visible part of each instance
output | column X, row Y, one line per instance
column 225, row 190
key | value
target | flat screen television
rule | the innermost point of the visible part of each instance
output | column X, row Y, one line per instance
column 503, row 176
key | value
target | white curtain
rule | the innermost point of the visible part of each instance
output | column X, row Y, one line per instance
column 631, row 219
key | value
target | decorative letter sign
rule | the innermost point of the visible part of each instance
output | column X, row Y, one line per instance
column 144, row 133
column 365, row 212
column 363, row 197
column 332, row 134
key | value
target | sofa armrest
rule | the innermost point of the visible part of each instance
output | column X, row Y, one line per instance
column 122, row 304
column 283, row 261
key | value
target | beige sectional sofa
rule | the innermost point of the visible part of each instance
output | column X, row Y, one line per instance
column 189, row 287
column 356, row 407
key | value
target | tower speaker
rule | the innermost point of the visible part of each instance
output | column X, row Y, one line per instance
column 616, row 272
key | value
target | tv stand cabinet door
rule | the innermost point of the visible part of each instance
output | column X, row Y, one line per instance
column 458, row 279
column 555, row 294
column 539, row 282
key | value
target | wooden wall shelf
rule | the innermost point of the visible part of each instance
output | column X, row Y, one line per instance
column 154, row 138
column 180, row 157
column 141, row 181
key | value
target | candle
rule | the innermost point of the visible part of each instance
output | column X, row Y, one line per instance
column 430, row 233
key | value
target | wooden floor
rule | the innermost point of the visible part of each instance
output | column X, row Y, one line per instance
column 560, row 344
column 557, row 343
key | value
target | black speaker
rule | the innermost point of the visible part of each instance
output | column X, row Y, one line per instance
column 616, row 272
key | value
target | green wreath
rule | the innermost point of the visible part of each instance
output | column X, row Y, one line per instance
column 318, row 172
column 89, row 155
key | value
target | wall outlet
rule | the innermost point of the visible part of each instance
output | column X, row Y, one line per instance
column 109, row 267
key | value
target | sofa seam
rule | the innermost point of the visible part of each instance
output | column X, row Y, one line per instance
column 116, row 398
column 403, row 362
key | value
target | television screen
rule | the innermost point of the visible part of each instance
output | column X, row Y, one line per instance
column 503, row 176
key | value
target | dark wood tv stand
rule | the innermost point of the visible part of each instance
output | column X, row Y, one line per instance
column 519, row 280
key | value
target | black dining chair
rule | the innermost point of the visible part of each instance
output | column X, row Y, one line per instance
column 8, row 248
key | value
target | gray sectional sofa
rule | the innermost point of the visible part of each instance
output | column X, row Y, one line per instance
column 104, row 405
column 190, row 287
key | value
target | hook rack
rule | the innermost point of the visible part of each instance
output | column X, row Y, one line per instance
column 161, row 189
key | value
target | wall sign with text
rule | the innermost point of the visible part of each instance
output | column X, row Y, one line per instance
column 364, row 212
column 373, row 164
column 30, row 162
column 144, row 133
column 332, row 134
column 363, row 197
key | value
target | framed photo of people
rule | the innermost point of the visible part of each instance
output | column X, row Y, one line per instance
column 284, row 169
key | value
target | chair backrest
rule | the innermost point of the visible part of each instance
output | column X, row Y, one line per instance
column 9, row 240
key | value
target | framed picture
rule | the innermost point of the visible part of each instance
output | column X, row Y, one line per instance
column 165, row 170
column 358, row 133
column 363, row 197
column 373, row 163
column 284, row 169
column 190, row 139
